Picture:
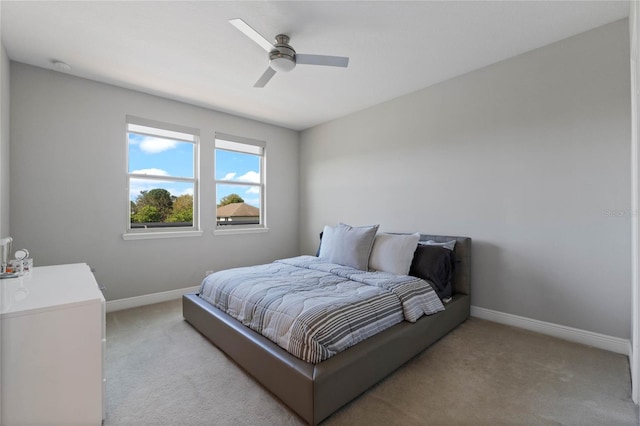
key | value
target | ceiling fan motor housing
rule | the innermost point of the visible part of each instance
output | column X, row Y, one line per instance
column 283, row 58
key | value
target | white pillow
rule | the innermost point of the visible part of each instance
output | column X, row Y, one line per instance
column 393, row 253
column 327, row 242
column 450, row 245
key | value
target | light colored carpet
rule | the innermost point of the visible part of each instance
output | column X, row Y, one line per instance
column 160, row 371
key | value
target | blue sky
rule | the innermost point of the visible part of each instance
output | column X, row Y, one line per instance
column 166, row 157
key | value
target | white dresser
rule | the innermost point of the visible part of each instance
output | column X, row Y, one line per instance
column 52, row 347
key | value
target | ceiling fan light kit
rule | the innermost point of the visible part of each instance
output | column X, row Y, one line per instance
column 282, row 57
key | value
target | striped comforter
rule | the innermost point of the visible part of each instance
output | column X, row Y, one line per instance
column 314, row 309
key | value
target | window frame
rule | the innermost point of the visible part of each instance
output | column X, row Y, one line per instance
column 261, row 146
column 168, row 231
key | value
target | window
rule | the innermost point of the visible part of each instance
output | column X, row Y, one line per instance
column 240, row 187
column 162, row 177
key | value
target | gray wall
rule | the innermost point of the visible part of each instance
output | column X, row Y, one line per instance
column 68, row 192
column 4, row 142
column 529, row 157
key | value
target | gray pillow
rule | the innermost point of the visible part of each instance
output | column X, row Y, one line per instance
column 351, row 246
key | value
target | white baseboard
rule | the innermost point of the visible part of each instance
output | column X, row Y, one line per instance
column 148, row 299
column 601, row 341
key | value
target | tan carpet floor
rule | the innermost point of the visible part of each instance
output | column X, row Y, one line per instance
column 160, row 371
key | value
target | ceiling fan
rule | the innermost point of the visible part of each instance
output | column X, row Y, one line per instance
column 282, row 57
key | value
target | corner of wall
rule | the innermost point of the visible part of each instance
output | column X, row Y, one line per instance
column 4, row 140
column 634, row 356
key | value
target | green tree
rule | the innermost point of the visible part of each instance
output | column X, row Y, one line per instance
column 230, row 199
column 160, row 199
column 182, row 209
column 146, row 214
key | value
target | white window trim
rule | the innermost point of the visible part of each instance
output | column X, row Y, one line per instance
column 151, row 235
column 154, row 233
column 238, row 229
column 244, row 229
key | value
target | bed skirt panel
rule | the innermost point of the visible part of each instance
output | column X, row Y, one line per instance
column 345, row 376
column 314, row 392
column 289, row 378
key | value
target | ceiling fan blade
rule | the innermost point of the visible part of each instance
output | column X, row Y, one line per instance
column 252, row 34
column 330, row 61
column 262, row 81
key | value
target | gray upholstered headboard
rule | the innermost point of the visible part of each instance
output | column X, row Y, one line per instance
column 462, row 274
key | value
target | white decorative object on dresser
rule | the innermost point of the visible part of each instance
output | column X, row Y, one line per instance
column 53, row 346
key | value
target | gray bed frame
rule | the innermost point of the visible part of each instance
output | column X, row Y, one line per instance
column 315, row 391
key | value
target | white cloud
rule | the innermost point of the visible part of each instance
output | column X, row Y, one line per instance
column 253, row 190
column 253, row 177
column 152, row 171
column 250, row 176
column 150, row 145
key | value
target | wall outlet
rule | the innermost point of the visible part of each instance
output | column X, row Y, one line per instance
column 207, row 273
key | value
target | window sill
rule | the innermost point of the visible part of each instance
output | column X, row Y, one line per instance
column 239, row 231
column 155, row 235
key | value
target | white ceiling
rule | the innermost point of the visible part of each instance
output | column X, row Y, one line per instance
column 189, row 52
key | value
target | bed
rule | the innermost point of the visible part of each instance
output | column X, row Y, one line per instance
column 315, row 391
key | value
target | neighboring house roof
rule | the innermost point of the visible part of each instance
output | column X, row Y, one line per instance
column 238, row 209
